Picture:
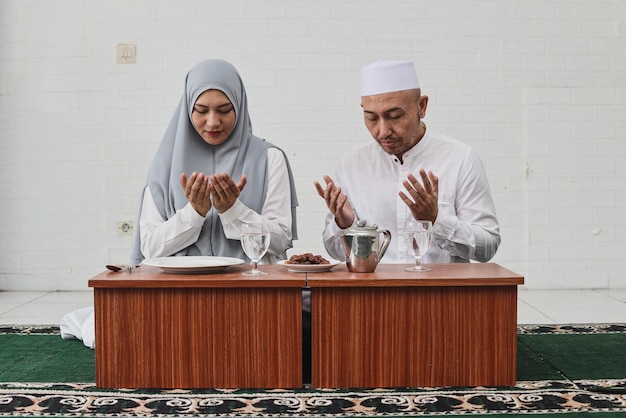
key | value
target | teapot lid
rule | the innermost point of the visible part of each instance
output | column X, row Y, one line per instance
column 362, row 226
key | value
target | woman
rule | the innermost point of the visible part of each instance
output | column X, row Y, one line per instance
column 211, row 174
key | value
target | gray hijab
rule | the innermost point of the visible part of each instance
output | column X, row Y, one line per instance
column 182, row 150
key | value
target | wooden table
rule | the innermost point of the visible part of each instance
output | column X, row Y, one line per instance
column 453, row 326
column 222, row 330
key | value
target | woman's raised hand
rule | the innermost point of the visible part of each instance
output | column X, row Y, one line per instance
column 197, row 191
column 225, row 191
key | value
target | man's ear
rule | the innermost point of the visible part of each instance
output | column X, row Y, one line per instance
column 423, row 104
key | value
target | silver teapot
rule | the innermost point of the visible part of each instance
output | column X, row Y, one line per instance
column 362, row 249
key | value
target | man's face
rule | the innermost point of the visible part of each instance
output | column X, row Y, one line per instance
column 393, row 119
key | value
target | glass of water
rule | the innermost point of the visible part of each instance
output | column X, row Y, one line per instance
column 418, row 234
column 255, row 240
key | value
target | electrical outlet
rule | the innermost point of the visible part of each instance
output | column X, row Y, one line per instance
column 126, row 53
column 124, row 228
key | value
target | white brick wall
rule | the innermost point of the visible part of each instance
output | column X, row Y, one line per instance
column 538, row 88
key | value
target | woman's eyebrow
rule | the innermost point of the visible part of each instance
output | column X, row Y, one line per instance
column 218, row 106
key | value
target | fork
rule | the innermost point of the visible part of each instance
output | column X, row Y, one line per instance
column 121, row 267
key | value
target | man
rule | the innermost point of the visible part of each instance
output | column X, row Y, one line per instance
column 410, row 171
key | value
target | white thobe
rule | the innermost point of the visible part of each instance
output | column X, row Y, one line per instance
column 466, row 227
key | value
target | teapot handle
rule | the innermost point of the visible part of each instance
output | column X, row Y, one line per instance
column 385, row 243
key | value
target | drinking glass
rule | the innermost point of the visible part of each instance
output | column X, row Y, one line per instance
column 418, row 234
column 255, row 240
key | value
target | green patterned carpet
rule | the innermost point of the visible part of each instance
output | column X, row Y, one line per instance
column 561, row 369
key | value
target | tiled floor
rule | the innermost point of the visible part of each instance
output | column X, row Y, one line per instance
column 534, row 306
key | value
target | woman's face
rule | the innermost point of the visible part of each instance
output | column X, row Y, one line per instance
column 213, row 116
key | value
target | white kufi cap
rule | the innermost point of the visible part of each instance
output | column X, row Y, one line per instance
column 386, row 76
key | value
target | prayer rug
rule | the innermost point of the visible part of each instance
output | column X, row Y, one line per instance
column 561, row 369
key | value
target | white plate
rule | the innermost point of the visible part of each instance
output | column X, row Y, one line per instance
column 193, row 264
column 309, row 268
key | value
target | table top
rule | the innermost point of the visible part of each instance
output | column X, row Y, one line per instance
column 154, row 277
column 395, row 275
column 385, row 275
